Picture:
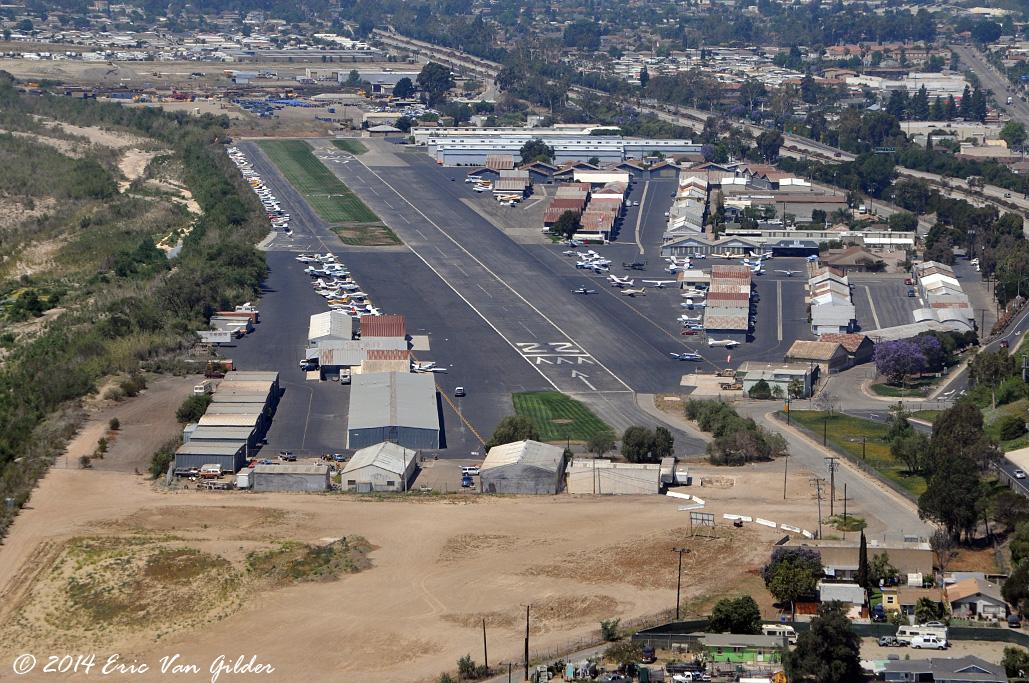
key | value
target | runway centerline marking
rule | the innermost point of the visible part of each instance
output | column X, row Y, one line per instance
column 778, row 295
column 488, row 270
column 639, row 215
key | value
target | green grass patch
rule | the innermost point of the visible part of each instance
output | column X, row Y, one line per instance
column 326, row 194
column 298, row 562
column 845, row 434
column 558, row 417
column 851, row 523
column 352, row 146
column 926, row 415
column 917, row 388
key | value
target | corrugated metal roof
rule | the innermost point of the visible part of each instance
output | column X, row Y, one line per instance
column 252, row 376
column 292, row 468
column 331, row 324
column 388, row 456
column 251, row 387
column 389, row 354
column 499, row 162
column 218, row 448
column 531, row 453
column 353, row 352
column 383, row 326
column 229, row 420
column 239, row 397
column 393, row 399
column 816, row 350
column 221, row 433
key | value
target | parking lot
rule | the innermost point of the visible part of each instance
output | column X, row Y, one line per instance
column 882, row 300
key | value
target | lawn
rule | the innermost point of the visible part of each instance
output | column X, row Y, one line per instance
column 557, row 417
column 926, row 415
column 329, row 197
column 845, row 435
column 917, row 388
column 353, row 146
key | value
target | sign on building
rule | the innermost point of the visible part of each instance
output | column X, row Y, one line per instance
column 214, row 336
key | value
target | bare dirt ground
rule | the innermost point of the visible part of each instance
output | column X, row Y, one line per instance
column 146, row 423
column 133, row 163
column 437, row 568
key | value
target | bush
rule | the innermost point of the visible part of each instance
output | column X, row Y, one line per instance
column 114, row 424
column 163, row 458
column 609, row 630
column 761, row 390
column 1011, row 390
column 131, row 386
column 193, row 408
column 85, row 461
column 1010, row 427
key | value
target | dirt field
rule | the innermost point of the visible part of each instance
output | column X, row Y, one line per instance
column 437, row 568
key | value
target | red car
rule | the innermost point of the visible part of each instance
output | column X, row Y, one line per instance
column 908, row 281
column 689, row 332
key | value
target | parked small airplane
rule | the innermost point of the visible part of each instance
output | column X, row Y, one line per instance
column 761, row 254
column 633, row 292
column 757, row 270
column 583, row 290
column 699, row 255
column 727, row 343
column 812, row 257
column 789, row 273
column 687, row 319
column 725, row 255
column 690, row 304
column 620, row 281
column 570, row 252
column 659, row 284
column 687, row 356
column 693, row 293
column 676, row 269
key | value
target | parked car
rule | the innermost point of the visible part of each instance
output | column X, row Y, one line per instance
column 1004, row 344
column 459, row 392
column 911, row 292
column 1019, row 474
column 908, row 281
column 1014, row 621
column 466, row 482
column 287, row 456
column 888, row 641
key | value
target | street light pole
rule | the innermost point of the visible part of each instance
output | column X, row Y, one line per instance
column 678, row 581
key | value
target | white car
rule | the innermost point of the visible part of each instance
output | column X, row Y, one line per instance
column 1019, row 474
column 928, row 642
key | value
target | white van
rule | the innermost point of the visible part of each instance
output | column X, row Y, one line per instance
column 205, row 387
column 782, row 631
column 929, row 643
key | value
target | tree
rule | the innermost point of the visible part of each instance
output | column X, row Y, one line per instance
column 624, row 653
column 536, row 150
column 644, row 77
column 793, row 573
column 1016, row 589
column 920, row 105
column 638, row 444
column 903, row 221
column 609, row 630
column 795, row 388
column 952, row 494
column 404, row 123
column 1010, row 427
column 862, row 571
column 664, row 443
column 404, row 88
column 761, row 390
column 567, row 224
column 986, row 31
column 927, row 609
column 735, row 615
column 193, row 408
column 898, row 359
column 1010, row 510
column 911, row 449
column 880, row 570
column 600, row 443
column 1013, row 133
column 1015, row 662
column 829, row 651
column 1019, row 543
column 512, row 428
column 768, row 144
column 353, row 79
column 435, row 80
column 942, row 545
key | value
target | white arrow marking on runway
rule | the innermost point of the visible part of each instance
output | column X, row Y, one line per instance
column 583, row 376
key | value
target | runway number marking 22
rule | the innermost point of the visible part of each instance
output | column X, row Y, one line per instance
column 554, row 353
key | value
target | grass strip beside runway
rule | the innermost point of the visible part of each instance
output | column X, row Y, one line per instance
column 557, row 417
column 326, row 194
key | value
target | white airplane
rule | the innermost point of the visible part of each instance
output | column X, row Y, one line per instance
column 357, row 295
column 690, row 304
column 757, row 270
column 621, row 281
column 789, row 273
column 633, row 292
column 583, row 290
column 326, row 257
column 659, row 284
column 688, row 319
column 687, row 356
column 676, row 269
column 570, row 252
column 727, row 343
column 422, row 367
column 694, row 293
column 725, row 255
column 678, row 261
column 699, row 255
column 761, row 254
column 306, row 258
column 443, row 370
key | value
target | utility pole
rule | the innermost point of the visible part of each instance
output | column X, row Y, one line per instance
column 830, row 462
column 818, row 481
column 485, row 657
column 526, row 642
column 785, row 467
column 825, row 428
column 862, row 447
column 678, row 581
column 844, row 505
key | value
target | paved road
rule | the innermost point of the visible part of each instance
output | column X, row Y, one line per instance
column 993, row 80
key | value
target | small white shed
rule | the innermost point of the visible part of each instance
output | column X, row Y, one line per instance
column 382, row 467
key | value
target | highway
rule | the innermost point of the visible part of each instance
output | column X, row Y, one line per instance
column 993, row 80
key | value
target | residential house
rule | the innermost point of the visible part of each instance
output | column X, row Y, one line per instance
column 742, row 649
column 846, row 593
column 840, row 558
column 976, row 597
column 903, row 599
column 968, row 669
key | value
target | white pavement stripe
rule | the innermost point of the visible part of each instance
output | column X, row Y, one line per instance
column 778, row 296
column 494, row 275
column 639, row 214
column 871, row 305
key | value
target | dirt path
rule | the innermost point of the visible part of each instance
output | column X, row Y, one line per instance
column 133, row 163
